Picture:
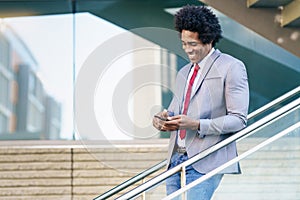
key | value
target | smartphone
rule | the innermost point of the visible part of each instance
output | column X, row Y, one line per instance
column 161, row 118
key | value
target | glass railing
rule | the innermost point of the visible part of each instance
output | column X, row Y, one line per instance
column 274, row 105
column 269, row 158
column 258, row 114
column 271, row 172
column 266, row 128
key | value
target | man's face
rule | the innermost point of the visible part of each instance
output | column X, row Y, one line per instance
column 193, row 47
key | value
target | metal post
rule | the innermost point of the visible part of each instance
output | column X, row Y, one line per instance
column 144, row 193
column 183, row 181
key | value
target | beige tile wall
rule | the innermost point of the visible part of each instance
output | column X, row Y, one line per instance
column 83, row 170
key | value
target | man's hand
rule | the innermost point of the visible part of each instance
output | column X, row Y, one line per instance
column 167, row 123
column 182, row 122
column 159, row 120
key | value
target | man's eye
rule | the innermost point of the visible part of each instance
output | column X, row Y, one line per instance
column 191, row 44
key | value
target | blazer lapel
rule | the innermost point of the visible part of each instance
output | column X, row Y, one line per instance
column 209, row 63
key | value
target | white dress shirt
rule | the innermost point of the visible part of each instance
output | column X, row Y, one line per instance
column 181, row 142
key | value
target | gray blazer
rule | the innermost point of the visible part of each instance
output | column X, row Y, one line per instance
column 220, row 101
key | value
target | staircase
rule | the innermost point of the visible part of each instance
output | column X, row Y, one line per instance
column 277, row 21
column 289, row 10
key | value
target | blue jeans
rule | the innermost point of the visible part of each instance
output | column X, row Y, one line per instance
column 202, row 191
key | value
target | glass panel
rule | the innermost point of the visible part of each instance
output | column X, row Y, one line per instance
column 157, row 192
column 3, row 123
column 273, row 168
column 4, row 82
column 270, row 173
column 4, row 52
column 36, row 77
column 118, row 80
column 90, row 37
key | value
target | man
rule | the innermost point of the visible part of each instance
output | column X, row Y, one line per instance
column 210, row 102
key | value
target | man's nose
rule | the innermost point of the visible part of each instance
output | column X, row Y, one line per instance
column 188, row 49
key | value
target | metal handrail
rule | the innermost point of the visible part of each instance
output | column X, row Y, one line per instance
column 274, row 102
column 132, row 180
column 235, row 160
column 160, row 165
column 247, row 131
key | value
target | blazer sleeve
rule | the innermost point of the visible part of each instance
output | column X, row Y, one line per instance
column 236, row 94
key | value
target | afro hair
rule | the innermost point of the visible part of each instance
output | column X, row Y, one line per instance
column 199, row 19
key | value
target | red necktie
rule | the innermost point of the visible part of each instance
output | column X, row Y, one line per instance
column 187, row 99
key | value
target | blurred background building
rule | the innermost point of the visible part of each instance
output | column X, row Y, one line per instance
column 26, row 110
column 53, row 45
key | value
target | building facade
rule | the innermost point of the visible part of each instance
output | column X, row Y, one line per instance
column 26, row 110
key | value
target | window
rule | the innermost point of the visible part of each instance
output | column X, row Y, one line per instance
column 4, row 52
column 35, row 118
column 4, row 88
column 3, row 123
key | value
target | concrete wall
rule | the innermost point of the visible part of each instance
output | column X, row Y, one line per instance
column 80, row 170
column 72, row 170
